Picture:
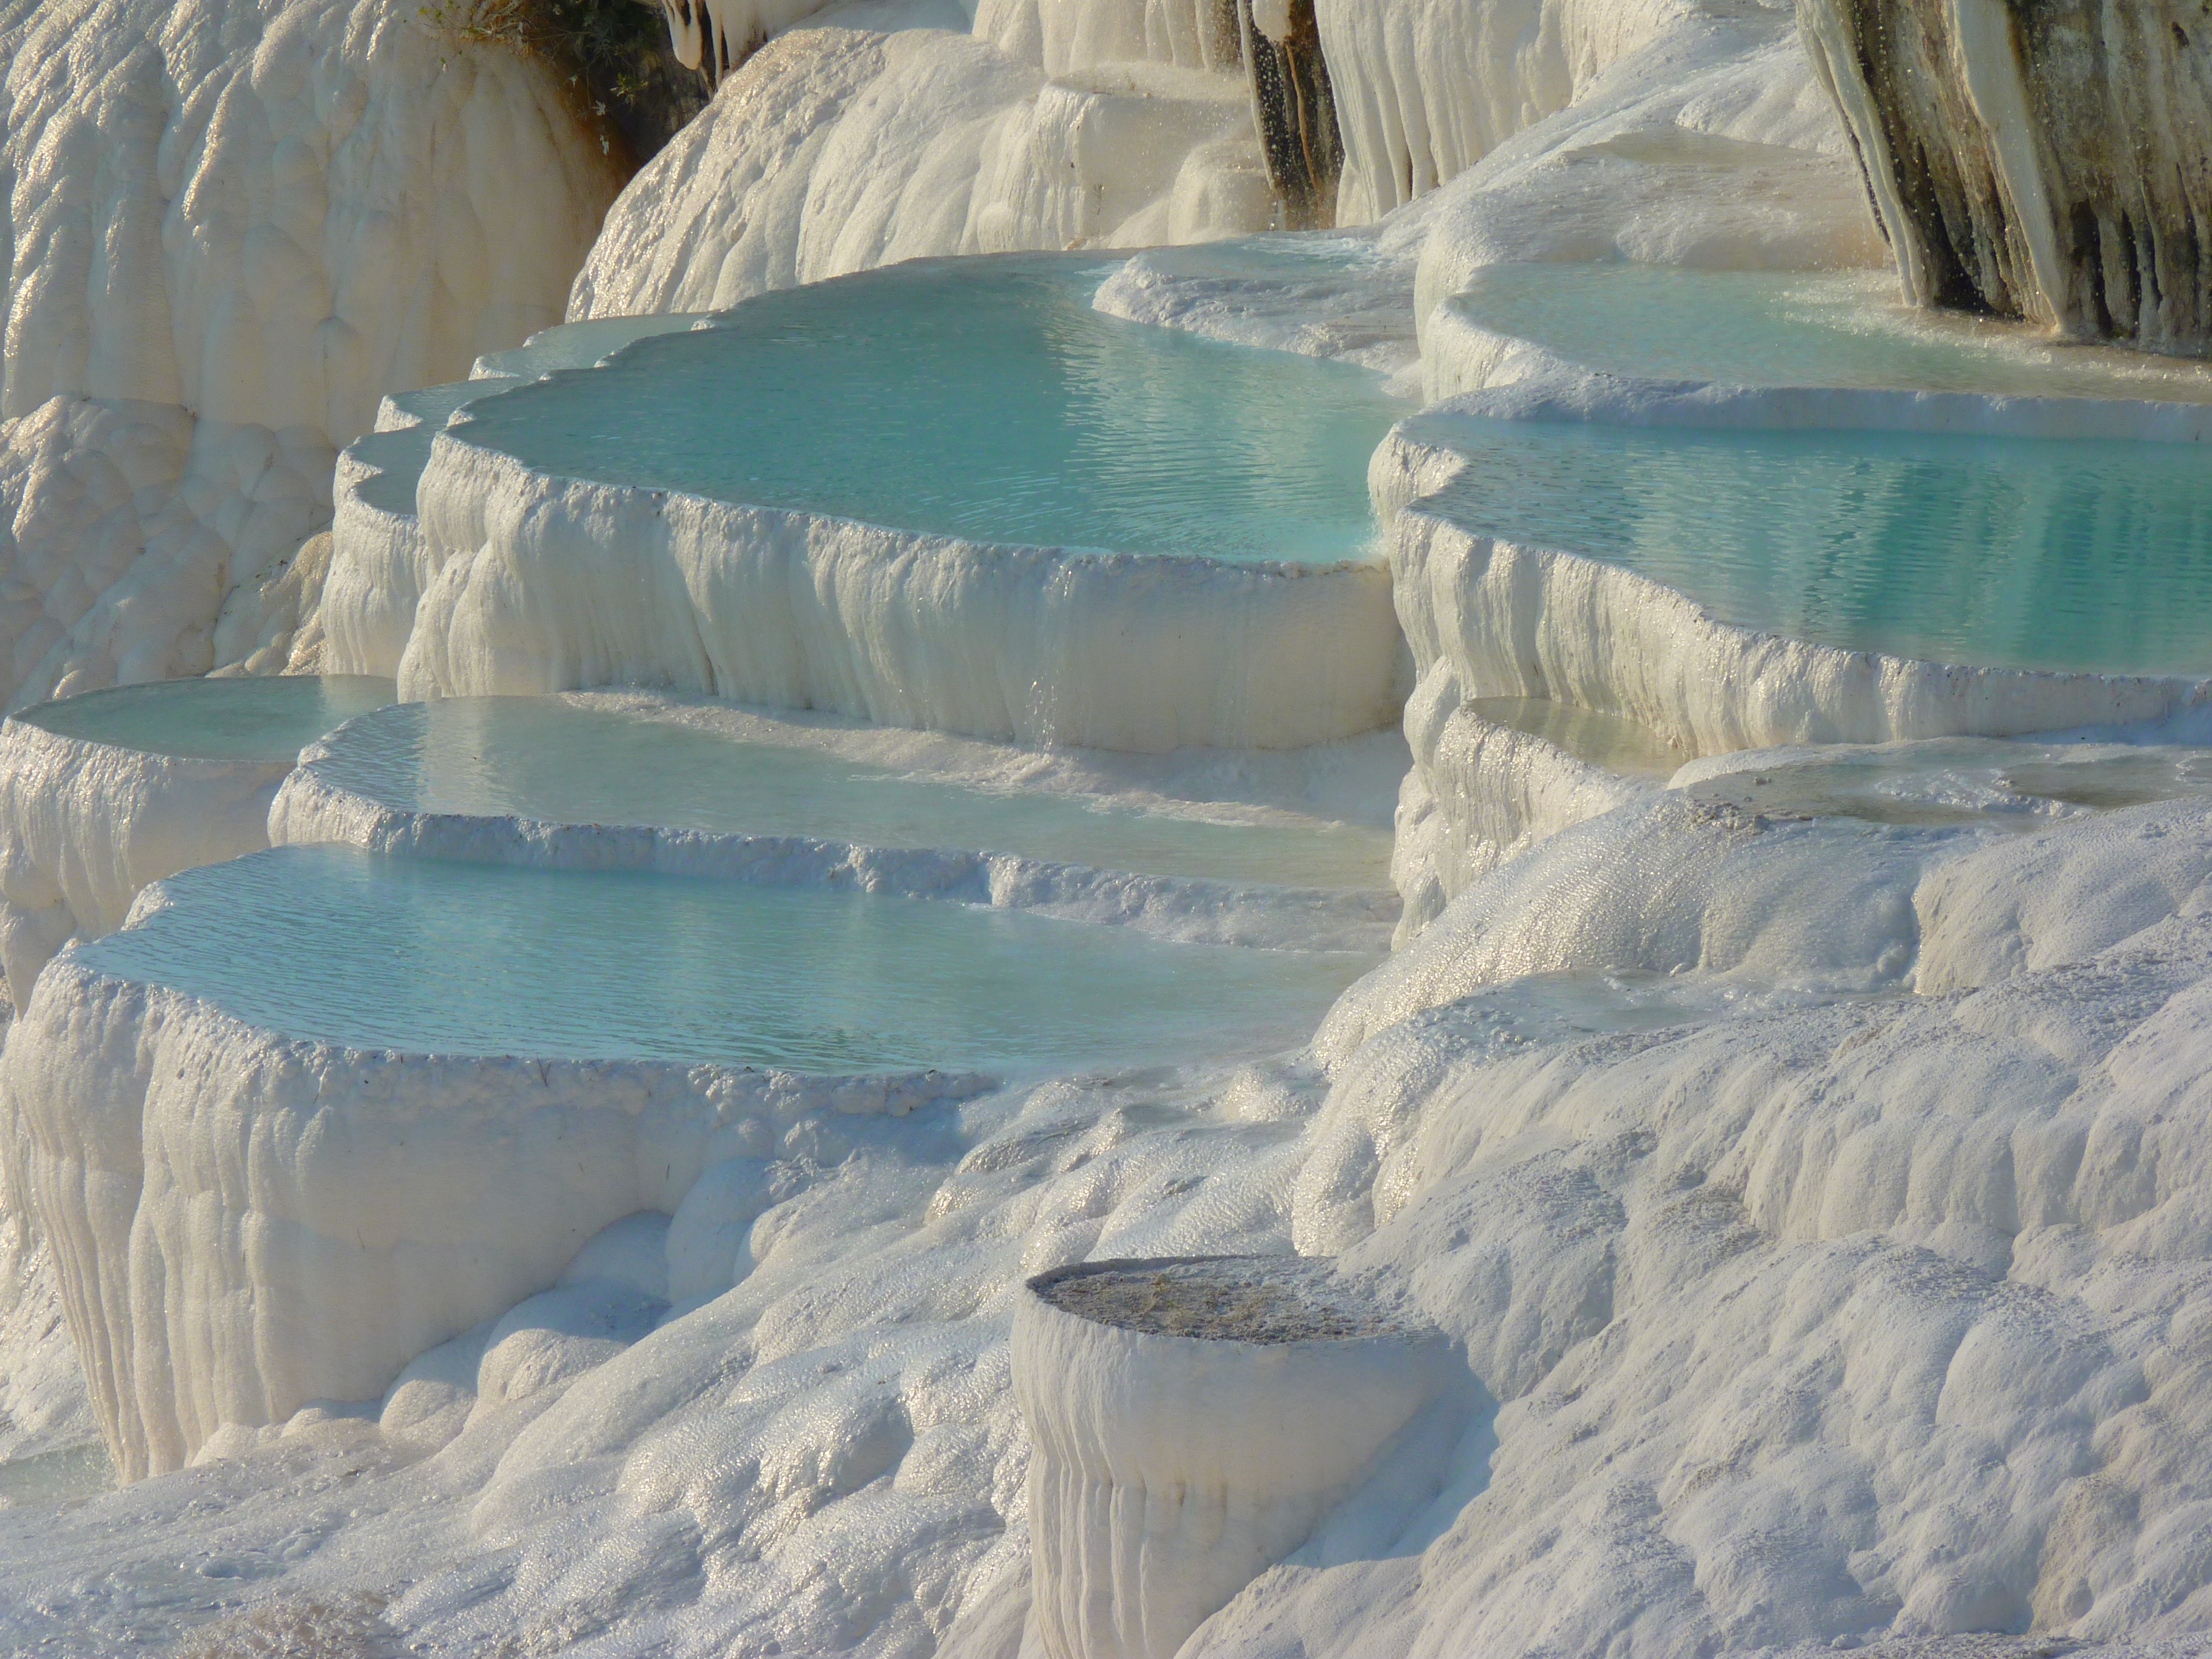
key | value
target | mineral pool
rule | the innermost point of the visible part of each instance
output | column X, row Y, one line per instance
column 985, row 400
column 1763, row 328
column 1954, row 780
column 424, row 957
column 399, row 452
column 266, row 719
column 564, row 760
column 2007, row 552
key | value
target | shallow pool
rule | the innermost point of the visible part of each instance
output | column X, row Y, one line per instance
column 265, row 719
column 567, row 762
column 431, row 957
column 1794, row 328
column 982, row 399
column 2030, row 553
column 1954, row 780
column 399, row 452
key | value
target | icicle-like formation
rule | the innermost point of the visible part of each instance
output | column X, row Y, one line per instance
column 2052, row 163
column 716, row 39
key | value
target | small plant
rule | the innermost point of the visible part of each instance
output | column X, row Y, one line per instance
column 612, row 55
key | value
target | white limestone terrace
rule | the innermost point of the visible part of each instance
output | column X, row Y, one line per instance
column 105, row 791
column 1149, row 574
column 631, row 780
column 2017, row 784
column 231, row 228
column 584, row 1040
column 373, row 513
column 1817, row 1195
column 1580, row 1180
column 1744, row 509
column 1845, row 329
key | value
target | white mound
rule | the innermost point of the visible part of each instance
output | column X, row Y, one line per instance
column 233, row 228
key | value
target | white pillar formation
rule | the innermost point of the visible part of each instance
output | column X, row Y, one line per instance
column 1191, row 1422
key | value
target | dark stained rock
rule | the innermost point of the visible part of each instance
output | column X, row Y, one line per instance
column 2049, row 159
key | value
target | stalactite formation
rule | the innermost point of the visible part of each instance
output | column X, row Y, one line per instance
column 2049, row 159
column 1293, row 108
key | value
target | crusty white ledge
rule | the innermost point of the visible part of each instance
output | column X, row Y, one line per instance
column 537, row 584
column 244, row 1223
column 1508, row 620
column 85, row 826
column 1189, row 909
column 1462, row 357
column 1480, row 793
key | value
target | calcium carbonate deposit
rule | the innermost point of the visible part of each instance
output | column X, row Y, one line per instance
column 1135, row 829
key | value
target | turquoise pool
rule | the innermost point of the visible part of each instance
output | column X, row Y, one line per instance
column 400, row 453
column 2023, row 553
column 570, row 761
column 1767, row 328
column 982, row 399
column 425, row 956
column 268, row 719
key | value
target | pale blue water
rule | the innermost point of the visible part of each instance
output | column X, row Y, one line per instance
column 427, row 957
column 570, row 762
column 1792, row 328
column 982, row 399
column 2014, row 552
column 402, row 453
column 577, row 345
column 1956, row 781
column 270, row 719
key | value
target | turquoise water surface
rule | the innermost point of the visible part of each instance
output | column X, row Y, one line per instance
column 2010, row 552
column 982, row 399
column 425, row 956
column 571, row 763
column 1767, row 328
column 400, row 453
column 267, row 719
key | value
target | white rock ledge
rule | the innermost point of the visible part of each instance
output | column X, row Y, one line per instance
column 85, row 826
column 1192, row 1419
column 1189, row 909
column 526, row 583
column 1464, row 358
column 1501, row 619
column 1479, row 794
column 243, row 1223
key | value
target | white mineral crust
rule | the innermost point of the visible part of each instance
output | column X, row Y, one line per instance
column 535, row 583
column 244, row 1224
column 85, row 826
column 232, row 229
column 307, row 809
column 1116, row 123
